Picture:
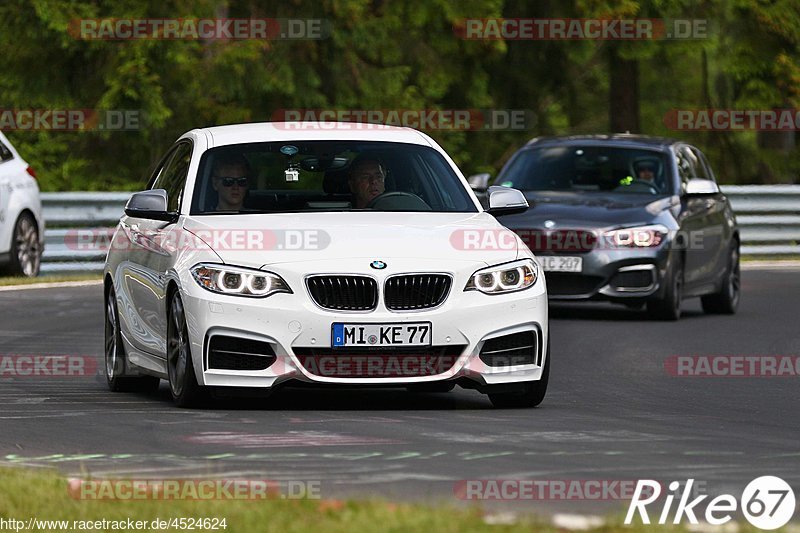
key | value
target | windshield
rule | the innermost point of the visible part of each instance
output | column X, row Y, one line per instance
column 590, row 169
column 315, row 176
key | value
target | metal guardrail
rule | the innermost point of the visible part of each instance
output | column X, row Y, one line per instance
column 769, row 218
column 67, row 211
column 768, row 215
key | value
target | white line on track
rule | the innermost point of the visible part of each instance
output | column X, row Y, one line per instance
column 54, row 285
column 771, row 265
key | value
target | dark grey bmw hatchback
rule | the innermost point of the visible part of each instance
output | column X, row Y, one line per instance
column 627, row 218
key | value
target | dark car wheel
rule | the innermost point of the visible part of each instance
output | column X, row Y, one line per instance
column 182, row 381
column 26, row 250
column 532, row 395
column 669, row 307
column 115, row 362
column 726, row 301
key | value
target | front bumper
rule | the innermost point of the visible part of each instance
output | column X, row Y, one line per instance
column 292, row 323
column 621, row 275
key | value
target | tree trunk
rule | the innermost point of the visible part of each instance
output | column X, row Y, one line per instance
column 623, row 93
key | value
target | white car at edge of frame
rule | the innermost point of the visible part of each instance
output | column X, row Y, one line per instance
column 280, row 254
column 21, row 220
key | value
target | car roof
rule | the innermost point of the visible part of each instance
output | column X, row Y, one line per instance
column 310, row 131
column 617, row 139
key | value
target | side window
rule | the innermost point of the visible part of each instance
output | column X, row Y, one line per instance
column 5, row 153
column 159, row 169
column 172, row 176
column 687, row 164
column 703, row 169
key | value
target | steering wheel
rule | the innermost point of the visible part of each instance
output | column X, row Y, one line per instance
column 639, row 184
column 398, row 201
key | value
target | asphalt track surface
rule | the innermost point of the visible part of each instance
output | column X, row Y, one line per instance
column 612, row 411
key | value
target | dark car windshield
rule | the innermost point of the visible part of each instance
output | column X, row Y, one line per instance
column 318, row 176
column 590, row 169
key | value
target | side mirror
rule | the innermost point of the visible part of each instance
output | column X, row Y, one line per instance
column 151, row 205
column 506, row 201
column 698, row 186
column 479, row 182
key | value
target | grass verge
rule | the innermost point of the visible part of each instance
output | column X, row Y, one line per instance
column 44, row 495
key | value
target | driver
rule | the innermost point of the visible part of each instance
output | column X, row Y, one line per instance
column 230, row 177
column 367, row 180
column 646, row 171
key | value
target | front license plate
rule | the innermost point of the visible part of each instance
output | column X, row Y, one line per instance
column 559, row 263
column 407, row 334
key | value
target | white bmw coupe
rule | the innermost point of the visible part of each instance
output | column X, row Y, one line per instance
column 267, row 255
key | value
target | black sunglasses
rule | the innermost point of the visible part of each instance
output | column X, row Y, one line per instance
column 230, row 182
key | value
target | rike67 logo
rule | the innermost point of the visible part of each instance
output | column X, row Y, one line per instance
column 767, row 502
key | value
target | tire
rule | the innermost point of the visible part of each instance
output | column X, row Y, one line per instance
column 726, row 301
column 26, row 250
column 115, row 358
column 182, row 380
column 532, row 395
column 669, row 307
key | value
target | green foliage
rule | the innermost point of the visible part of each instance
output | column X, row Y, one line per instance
column 389, row 55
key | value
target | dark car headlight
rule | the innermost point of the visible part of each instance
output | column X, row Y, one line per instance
column 500, row 279
column 238, row 281
column 637, row 237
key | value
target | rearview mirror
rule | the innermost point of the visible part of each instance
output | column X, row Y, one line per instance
column 506, row 201
column 151, row 205
column 479, row 182
column 698, row 186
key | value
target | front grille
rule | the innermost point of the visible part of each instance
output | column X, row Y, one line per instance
column 416, row 291
column 344, row 293
column 234, row 353
column 509, row 350
column 374, row 363
column 567, row 284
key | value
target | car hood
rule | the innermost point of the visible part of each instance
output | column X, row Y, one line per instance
column 267, row 239
column 588, row 210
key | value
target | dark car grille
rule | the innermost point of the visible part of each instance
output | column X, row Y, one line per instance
column 416, row 291
column 344, row 293
column 378, row 363
column 509, row 350
column 233, row 353
column 566, row 284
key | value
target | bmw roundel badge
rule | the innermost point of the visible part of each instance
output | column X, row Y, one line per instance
column 378, row 265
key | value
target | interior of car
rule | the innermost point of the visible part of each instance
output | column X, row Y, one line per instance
column 316, row 178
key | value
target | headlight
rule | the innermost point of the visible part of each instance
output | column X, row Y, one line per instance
column 238, row 281
column 500, row 279
column 639, row 237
